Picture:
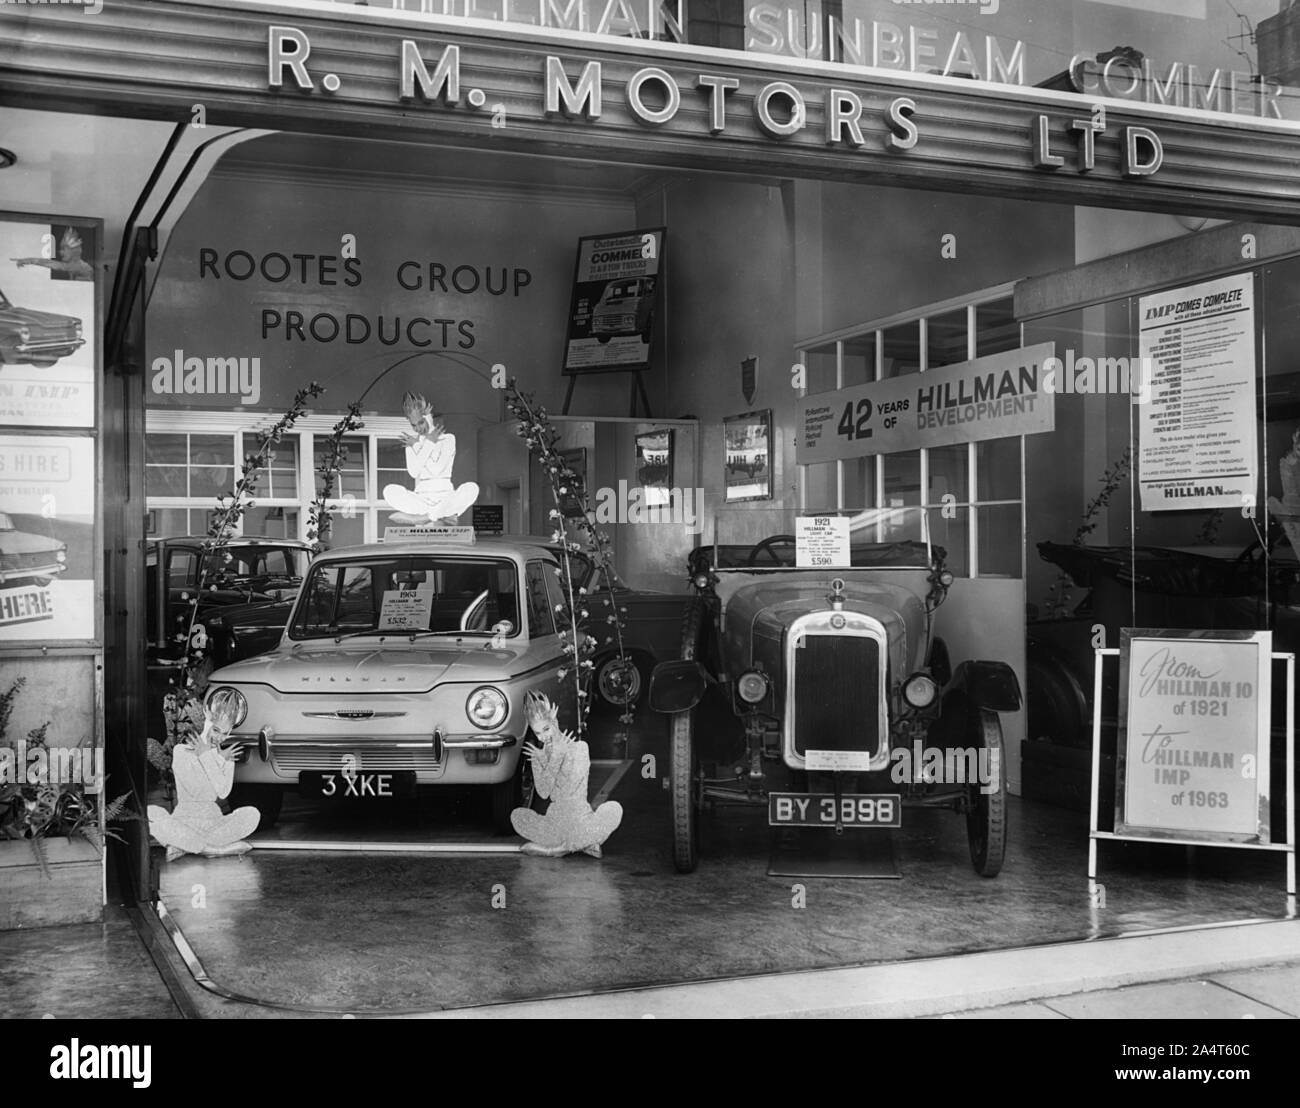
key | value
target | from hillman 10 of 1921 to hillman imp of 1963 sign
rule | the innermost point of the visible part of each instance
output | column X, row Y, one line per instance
column 1194, row 734
column 986, row 398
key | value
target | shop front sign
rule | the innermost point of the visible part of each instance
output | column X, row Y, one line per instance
column 408, row 76
column 986, row 398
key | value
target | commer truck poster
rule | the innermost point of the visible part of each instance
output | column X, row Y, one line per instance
column 1197, row 440
column 615, row 301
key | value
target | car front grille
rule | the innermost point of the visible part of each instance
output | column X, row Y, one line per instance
column 294, row 759
column 837, row 693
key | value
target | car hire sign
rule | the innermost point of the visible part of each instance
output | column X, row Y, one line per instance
column 986, row 398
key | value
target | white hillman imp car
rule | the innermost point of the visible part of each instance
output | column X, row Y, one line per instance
column 402, row 665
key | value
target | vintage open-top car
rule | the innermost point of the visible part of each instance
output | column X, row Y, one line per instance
column 402, row 665
column 835, row 683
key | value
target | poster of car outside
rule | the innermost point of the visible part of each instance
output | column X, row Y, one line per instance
column 48, row 334
column 747, row 445
column 615, row 299
column 654, row 467
column 47, row 538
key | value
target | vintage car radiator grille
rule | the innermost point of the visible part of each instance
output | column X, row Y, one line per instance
column 295, row 758
column 836, row 693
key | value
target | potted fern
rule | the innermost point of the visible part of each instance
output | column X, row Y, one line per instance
column 52, row 837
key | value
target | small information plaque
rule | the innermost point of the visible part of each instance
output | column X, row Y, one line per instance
column 406, row 610
column 429, row 534
column 822, row 542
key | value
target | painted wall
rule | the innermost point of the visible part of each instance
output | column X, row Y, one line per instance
column 495, row 262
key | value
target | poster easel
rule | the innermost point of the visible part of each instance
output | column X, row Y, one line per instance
column 1096, row 891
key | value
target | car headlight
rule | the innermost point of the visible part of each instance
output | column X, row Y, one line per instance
column 24, row 333
column 752, row 686
column 919, row 690
column 487, row 707
column 61, row 556
column 231, row 700
column 77, row 329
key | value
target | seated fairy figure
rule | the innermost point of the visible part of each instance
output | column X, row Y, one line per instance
column 430, row 454
column 204, row 773
column 561, row 766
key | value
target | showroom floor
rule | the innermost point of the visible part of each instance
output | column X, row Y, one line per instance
column 361, row 932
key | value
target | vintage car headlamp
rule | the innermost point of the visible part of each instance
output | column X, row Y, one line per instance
column 752, row 686
column 700, row 580
column 919, row 690
column 231, row 700
column 946, row 578
column 487, row 707
column 24, row 334
column 61, row 556
column 76, row 330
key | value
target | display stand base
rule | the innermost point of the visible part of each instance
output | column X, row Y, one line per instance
column 813, row 852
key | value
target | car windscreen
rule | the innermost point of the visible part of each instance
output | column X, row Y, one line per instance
column 254, row 562
column 407, row 594
column 753, row 538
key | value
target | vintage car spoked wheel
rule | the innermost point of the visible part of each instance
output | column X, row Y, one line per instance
column 684, row 757
column 986, row 819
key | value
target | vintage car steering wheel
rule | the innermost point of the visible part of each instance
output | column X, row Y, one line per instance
column 476, row 613
column 767, row 544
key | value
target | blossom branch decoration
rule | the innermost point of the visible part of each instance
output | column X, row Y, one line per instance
column 182, row 705
column 320, row 515
column 572, row 509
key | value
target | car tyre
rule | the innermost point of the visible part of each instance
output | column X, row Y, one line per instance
column 518, row 792
column 684, row 758
column 986, row 817
column 267, row 799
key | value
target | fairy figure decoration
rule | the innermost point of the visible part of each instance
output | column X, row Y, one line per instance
column 430, row 454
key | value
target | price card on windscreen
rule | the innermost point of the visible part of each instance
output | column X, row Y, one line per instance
column 1194, row 735
column 821, row 542
column 406, row 610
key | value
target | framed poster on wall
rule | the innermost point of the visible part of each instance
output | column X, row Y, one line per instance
column 747, row 447
column 616, row 291
column 654, row 466
column 48, row 321
column 1194, row 735
column 48, row 551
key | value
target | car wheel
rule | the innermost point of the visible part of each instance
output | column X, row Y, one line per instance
column 518, row 792
column 267, row 799
column 986, row 818
column 614, row 691
column 684, row 758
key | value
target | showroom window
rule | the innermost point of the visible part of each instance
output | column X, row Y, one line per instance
column 190, row 462
column 974, row 491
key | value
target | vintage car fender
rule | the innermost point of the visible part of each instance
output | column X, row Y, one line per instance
column 677, row 685
column 991, row 685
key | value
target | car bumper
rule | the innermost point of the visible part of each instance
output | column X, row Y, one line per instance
column 60, row 348
column 265, row 758
column 23, row 572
